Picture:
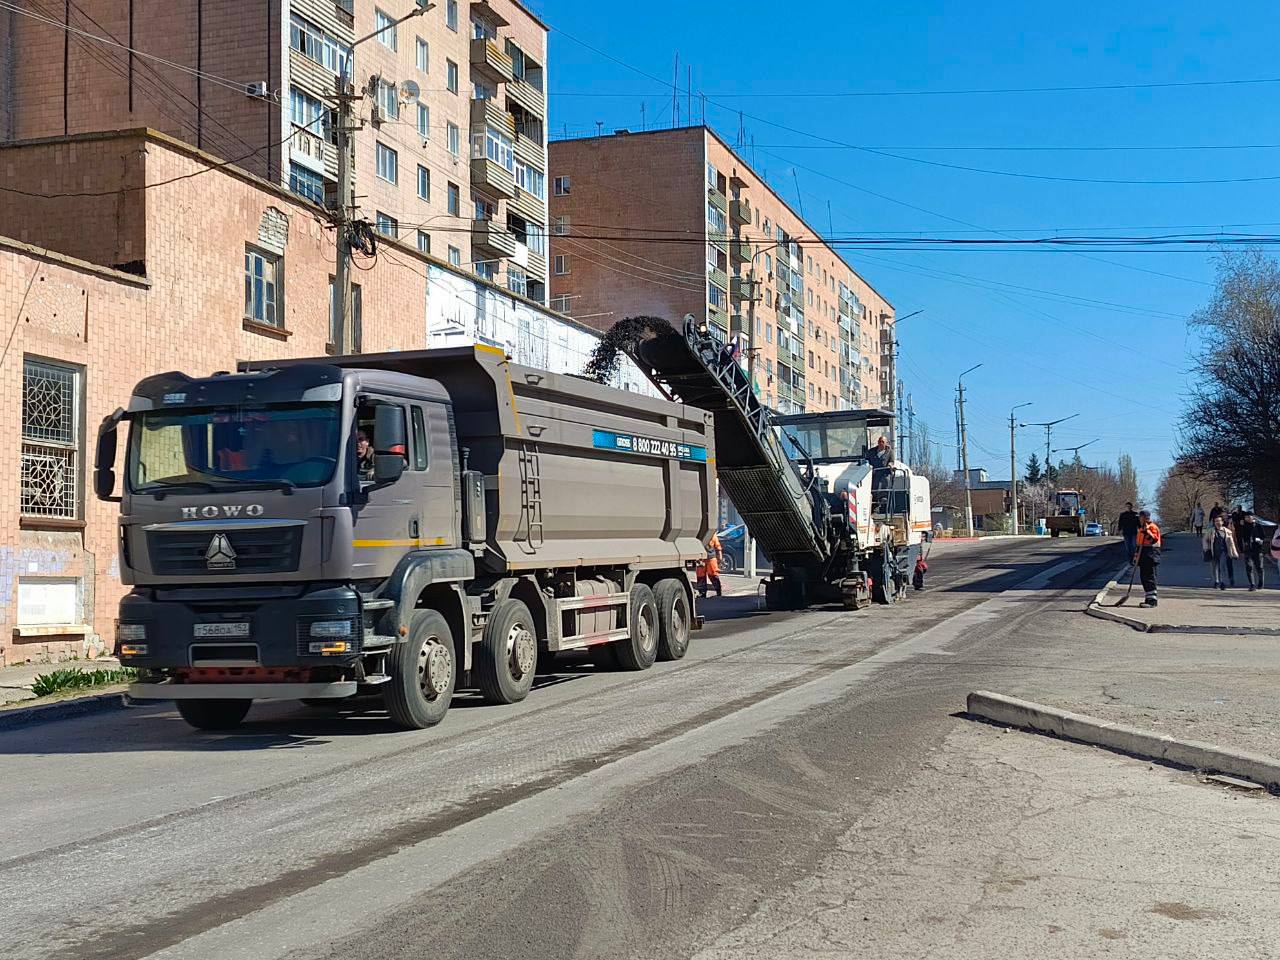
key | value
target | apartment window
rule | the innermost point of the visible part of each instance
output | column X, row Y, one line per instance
column 482, row 29
column 484, row 209
column 497, row 147
column 768, row 263
column 424, row 121
column 767, row 227
column 424, row 242
column 455, row 256
column 488, row 269
column 810, row 359
column 455, row 139
column 712, row 176
column 307, row 112
column 560, row 304
column 451, row 14
column 389, row 99
column 424, row 183
column 306, row 183
column 421, row 54
column 388, row 163
column 451, row 76
column 385, row 25
column 517, row 280
column 716, row 296
column 262, row 287
column 713, row 256
column 768, row 333
column 560, row 225
column 388, row 226
column 317, row 45
column 335, row 336
column 561, row 265
column 716, row 218
column 560, row 186
column 531, row 180
column 455, row 200
column 51, row 399
column 536, row 238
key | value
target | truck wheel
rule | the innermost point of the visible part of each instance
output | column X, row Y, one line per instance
column 423, row 671
column 507, row 656
column 673, row 619
column 213, row 714
column 1054, row 533
column 640, row 649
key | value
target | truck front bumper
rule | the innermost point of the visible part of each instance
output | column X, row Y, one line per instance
column 242, row 691
column 316, row 625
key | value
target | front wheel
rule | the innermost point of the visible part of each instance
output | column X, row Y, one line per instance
column 507, row 656
column 214, row 714
column 674, row 621
column 424, row 671
column 640, row 649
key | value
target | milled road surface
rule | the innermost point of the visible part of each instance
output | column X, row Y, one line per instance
column 609, row 815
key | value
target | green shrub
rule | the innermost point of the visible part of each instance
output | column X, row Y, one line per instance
column 67, row 679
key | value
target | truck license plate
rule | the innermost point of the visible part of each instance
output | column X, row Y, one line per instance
column 221, row 630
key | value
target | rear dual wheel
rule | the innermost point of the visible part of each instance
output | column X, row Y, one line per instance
column 507, row 656
column 674, row 618
column 640, row 648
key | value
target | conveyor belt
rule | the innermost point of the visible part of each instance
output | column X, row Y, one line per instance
column 783, row 513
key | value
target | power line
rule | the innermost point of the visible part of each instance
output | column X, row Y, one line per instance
column 976, row 91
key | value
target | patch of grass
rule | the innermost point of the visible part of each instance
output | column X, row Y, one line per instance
column 57, row 681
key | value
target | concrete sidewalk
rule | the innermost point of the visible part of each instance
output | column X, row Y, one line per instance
column 1188, row 601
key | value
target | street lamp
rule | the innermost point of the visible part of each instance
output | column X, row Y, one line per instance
column 964, row 449
column 1013, row 465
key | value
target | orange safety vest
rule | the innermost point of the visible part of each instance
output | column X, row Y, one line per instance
column 712, row 563
column 1149, row 535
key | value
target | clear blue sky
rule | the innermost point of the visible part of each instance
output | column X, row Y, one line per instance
column 1123, row 368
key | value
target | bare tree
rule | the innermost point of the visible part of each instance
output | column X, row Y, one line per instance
column 1231, row 425
column 1183, row 486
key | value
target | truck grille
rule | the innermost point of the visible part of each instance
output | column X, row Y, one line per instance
column 181, row 552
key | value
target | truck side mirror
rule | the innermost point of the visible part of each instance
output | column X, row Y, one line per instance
column 387, row 467
column 104, row 460
column 389, row 430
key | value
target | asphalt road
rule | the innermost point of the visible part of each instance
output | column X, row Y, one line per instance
column 609, row 815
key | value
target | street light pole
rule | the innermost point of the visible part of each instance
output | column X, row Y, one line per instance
column 964, row 450
column 1013, row 466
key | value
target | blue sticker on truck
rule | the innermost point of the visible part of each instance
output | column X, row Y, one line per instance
column 649, row 446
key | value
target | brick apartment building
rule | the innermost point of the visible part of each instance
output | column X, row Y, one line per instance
column 103, row 282
column 674, row 222
column 459, row 171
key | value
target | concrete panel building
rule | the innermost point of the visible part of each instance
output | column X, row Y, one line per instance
column 128, row 254
column 675, row 222
column 458, row 171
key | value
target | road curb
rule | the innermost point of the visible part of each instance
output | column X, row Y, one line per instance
column 1095, row 610
column 1190, row 754
column 76, row 707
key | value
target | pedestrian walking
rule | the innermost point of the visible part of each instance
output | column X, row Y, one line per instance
column 917, row 577
column 708, row 571
column 1220, row 550
column 1128, row 527
column 1216, row 511
column 1197, row 520
column 1148, row 558
column 1252, row 544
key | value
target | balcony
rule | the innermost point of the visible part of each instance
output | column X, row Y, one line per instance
column 493, row 178
column 489, row 113
column 528, row 96
column 718, row 277
column 718, row 319
column 740, row 211
column 717, row 199
column 488, row 59
column 741, row 288
column 490, row 238
column 740, row 251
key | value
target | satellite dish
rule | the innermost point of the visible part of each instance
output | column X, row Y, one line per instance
column 409, row 91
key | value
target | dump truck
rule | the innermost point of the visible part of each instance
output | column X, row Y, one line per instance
column 835, row 527
column 401, row 524
column 1066, row 513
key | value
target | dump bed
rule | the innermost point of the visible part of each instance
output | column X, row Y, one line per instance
column 577, row 474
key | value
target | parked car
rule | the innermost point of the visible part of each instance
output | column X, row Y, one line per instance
column 1093, row 530
column 733, row 545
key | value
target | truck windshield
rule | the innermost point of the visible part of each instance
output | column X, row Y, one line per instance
column 223, row 448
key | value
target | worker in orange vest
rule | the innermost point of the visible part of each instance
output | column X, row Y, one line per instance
column 708, row 572
column 1148, row 558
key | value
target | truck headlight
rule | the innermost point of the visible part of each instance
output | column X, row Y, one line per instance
column 331, row 628
column 131, row 631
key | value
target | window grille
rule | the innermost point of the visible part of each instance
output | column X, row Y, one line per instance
column 50, row 440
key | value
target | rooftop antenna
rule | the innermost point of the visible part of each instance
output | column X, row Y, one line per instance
column 689, row 90
column 799, row 198
column 642, row 119
column 831, row 224
column 675, row 93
